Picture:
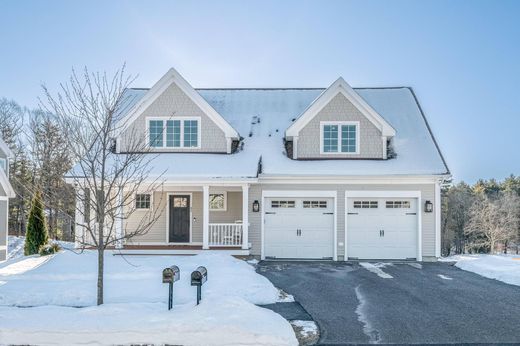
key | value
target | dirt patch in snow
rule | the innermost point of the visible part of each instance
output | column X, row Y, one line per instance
column 307, row 332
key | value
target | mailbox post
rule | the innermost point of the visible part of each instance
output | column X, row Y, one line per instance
column 169, row 276
column 198, row 278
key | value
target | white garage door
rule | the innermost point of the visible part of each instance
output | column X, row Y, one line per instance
column 299, row 228
column 382, row 228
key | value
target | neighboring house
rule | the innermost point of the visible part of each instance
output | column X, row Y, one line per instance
column 298, row 173
column 6, row 192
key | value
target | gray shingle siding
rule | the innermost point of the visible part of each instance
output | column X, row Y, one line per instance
column 340, row 109
column 173, row 102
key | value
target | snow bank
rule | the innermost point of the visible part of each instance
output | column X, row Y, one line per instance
column 505, row 268
column 135, row 309
column 226, row 321
column 69, row 279
column 16, row 246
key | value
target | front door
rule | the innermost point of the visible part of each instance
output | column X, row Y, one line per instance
column 180, row 221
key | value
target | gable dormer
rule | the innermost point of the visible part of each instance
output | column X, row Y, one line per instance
column 339, row 124
column 173, row 117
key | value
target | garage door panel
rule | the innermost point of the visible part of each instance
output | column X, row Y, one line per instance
column 382, row 228
column 302, row 231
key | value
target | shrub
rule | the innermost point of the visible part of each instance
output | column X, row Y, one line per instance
column 49, row 249
column 36, row 227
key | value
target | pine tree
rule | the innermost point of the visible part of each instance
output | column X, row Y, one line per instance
column 36, row 227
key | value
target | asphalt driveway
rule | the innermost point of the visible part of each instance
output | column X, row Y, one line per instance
column 407, row 303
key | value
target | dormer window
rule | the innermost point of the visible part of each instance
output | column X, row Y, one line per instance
column 175, row 133
column 339, row 137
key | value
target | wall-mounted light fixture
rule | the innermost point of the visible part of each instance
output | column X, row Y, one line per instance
column 256, row 206
column 428, row 206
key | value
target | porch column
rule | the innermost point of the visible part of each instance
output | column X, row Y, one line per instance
column 79, row 219
column 205, row 217
column 119, row 221
column 245, row 217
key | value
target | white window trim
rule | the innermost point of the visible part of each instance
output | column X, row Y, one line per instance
column 143, row 209
column 182, row 119
column 225, row 200
column 339, row 123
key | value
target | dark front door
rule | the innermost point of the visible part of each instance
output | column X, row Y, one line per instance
column 179, row 219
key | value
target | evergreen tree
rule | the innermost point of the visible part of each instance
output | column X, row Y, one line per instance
column 36, row 227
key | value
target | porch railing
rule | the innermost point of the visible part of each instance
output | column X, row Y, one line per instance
column 225, row 234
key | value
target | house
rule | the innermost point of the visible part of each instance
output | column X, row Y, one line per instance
column 6, row 192
column 297, row 173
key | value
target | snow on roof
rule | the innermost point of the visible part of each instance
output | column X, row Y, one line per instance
column 276, row 109
column 261, row 116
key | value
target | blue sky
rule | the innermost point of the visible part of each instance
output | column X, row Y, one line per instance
column 461, row 57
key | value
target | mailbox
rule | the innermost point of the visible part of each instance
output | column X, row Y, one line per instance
column 171, row 274
column 198, row 278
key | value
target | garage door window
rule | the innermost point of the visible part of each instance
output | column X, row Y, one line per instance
column 315, row 204
column 283, row 204
column 365, row 204
column 397, row 204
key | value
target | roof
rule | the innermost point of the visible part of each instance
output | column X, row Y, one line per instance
column 261, row 116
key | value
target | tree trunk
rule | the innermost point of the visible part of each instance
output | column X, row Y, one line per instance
column 101, row 263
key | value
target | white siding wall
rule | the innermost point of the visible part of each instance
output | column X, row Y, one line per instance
column 234, row 212
column 428, row 219
column 157, row 233
column 3, row 230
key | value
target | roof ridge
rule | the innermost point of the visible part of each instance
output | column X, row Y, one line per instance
column 295, row 88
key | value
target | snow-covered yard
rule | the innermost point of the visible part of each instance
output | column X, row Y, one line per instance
column 505, row 268
column 40, row 296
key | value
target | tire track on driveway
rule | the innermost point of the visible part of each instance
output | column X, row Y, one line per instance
column 368, row 329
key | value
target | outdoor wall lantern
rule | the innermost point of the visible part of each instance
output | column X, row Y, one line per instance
column 256, row 206
column 428, row 206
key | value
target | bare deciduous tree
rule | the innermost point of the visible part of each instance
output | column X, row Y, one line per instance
column 492, row 221
column 11, row 121
column 87, row 109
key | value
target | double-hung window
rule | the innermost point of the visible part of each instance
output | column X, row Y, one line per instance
column 174, row 133
column 340, row 137
column 143, row 201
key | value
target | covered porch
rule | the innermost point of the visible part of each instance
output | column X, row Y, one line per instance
column 194, row 218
